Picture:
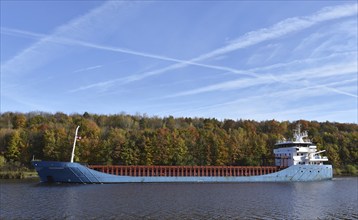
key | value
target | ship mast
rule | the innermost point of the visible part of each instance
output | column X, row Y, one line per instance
column 298, row 135
column 74, row 144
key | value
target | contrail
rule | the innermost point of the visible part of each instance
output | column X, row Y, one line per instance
column 280, row 29
column 67, row 41
column 82, row 28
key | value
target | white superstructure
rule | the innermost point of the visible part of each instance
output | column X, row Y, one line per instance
column 300, row 151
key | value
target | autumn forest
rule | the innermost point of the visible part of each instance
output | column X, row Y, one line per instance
column 143, row 140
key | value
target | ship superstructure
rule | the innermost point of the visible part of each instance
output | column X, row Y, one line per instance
column 299, row 151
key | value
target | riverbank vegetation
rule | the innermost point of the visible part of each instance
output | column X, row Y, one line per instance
column 142, row 140
column 15, row 170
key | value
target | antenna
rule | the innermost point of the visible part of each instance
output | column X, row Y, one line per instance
column 74, row 145
column 299, row 128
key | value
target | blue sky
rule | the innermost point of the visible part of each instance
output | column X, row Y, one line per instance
column 258, row 60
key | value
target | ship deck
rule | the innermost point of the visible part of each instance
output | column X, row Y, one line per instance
column 185, row 171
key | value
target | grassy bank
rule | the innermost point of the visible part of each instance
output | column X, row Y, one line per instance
column 18, row 174
column 348, row 170
column 15, row 170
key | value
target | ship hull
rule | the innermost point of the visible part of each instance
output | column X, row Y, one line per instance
column 66, row 172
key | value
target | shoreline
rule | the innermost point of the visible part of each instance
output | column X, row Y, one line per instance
column 18, row 175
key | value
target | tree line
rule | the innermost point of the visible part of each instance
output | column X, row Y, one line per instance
column 142, row 140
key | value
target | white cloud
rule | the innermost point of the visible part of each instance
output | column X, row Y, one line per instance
column 278, row 30
column 87, row 68
column 280, row 105
column 133, row 77
column 283, row 28
column 83, row 28
column 292, row 78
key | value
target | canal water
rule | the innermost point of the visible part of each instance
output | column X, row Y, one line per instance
column 336, row 199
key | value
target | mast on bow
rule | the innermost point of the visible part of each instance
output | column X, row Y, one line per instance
column 74, row 144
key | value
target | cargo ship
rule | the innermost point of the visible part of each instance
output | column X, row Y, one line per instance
column 296, row 160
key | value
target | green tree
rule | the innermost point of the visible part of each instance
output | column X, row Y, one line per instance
column 50, row 149
column 130, row 152
column 19, row 121
column 179, row 150
column 113, row 144
column 13, row 147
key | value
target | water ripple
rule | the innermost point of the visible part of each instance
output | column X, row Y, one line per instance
column 316, row 200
